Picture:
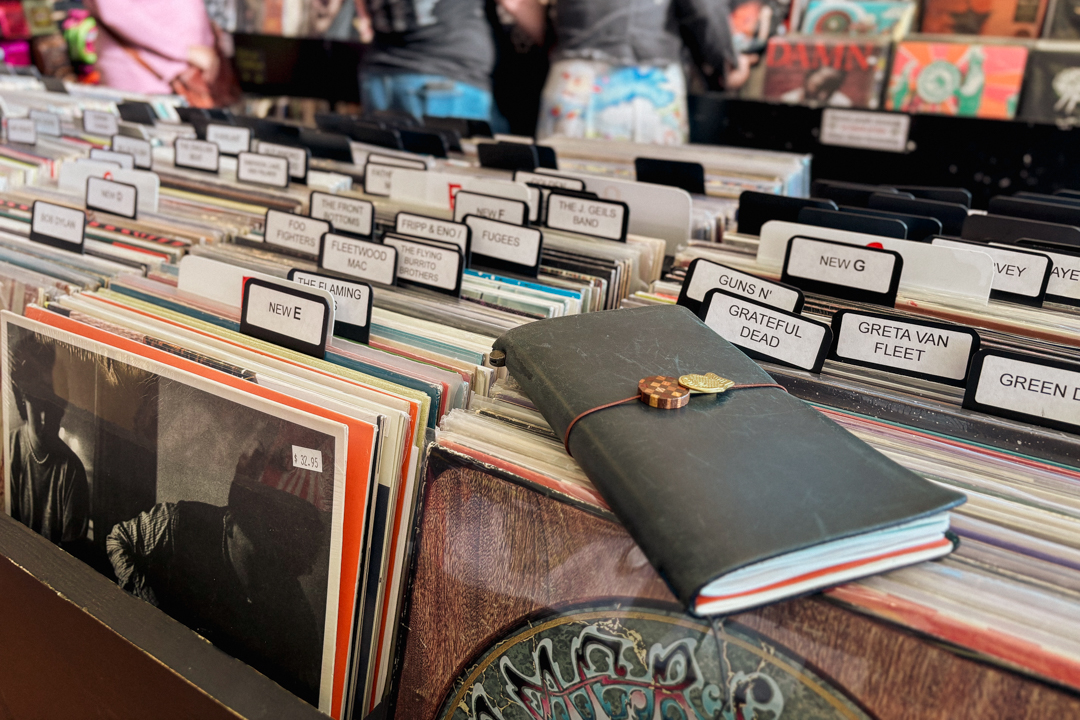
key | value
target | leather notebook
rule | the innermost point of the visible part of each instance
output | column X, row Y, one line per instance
column 737, row 499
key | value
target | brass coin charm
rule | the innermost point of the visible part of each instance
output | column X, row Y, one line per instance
column 709, row 383
column 660, row 391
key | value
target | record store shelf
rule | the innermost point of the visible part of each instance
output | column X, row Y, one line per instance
column 73, row 644
column 989, row 157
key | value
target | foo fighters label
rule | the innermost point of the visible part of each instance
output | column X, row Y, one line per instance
column 767, row 333
column 294, row 232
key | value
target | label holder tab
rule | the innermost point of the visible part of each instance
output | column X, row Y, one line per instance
column 565, row 219
column 382, row 269
column 1025, row 385
column 403, row 279
column 889, row 335
column 748, row 286
column 844, row 291
column 482, row 227
column 96, row 186
column 74, row 238
column 355, row 332
column 281, row 294
column 270, row 224
column 265, row 170
column 185, row 147
column 766, row 336
column 353, row 213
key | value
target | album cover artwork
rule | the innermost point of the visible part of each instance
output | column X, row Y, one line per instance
column 968, row 80
column 1052, row 85
column 753, row 22
column 804, row 70
column 1063, row 20
column 999, row 18
column 186, row 493
column 861, row 18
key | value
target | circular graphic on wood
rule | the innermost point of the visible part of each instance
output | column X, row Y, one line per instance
column 637, row 664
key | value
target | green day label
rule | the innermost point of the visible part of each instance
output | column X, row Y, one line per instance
column 1027, row 388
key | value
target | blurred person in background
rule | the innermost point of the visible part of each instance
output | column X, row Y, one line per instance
column 617, row 72
column 436, row 57
column 162, row 47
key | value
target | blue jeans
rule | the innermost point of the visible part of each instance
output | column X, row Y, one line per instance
column 420, row 95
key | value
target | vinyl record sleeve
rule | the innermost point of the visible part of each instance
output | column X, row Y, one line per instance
column 820, row 70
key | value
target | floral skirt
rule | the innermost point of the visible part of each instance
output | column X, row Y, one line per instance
column 592, row 99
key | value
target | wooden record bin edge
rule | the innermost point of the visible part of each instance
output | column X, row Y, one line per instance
column 72, row 640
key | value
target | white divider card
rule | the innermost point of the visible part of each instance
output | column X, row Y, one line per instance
column 124, row 160
column 352, row 303
column 505, row 246
column 298, row 319
column 110, row 163
column 704, row 275
column 47, row 123
column 297, row 156
column 489, row 206
column 839, row 270
column 345, row 214
column 112, row 197
column 58, row 226
column 605, row 219
column 928, row 269
column 550, row 181
column 1025, row 387
column 1019, row 275
column 767, row 333
column 394, row 161
column 21, row 130
column 262, row 169
column 377, row 177
column 196, row 155
column 217, row 281
column 96, row 122
column 919, row 348
column 141, row 150
column 73, row 179
column 1064, row 284
column 361, row 259
column 230, row 139
column 428, row 264
column 294, row 232
column 429, row 228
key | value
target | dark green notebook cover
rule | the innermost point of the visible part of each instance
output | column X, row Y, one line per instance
column 724, row 482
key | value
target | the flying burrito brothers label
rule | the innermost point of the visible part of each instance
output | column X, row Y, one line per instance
column 924, row 349
column 360, row 259
column 767, row 333
column 435, row 266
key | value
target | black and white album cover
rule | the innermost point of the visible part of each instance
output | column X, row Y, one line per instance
column 220, row 508
column 1051, row 91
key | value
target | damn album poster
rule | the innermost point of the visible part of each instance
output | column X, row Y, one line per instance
column 838, row 72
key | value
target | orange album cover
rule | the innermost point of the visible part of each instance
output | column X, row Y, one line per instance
column 360, row 449
column 998, row 18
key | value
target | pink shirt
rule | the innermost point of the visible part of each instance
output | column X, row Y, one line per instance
column 161, row 31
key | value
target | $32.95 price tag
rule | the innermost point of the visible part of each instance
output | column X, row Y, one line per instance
column 306, row 459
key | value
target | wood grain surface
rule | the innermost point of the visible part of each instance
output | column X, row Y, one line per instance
column 491, row 554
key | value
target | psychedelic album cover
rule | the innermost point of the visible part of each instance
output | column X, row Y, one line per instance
column 814, row 70
column 998, row 18
column 184, row 492
column 1063, row 20
column 1052, row 84
column 861, row 19
column 956, row 79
